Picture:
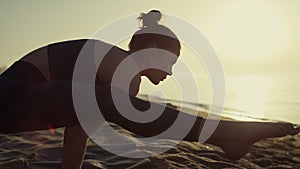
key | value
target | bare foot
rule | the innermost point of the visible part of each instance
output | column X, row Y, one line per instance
column 235, row 138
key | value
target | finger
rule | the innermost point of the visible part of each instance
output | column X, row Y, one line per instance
column 295, row 131
column 171, row 106
column 285, row 128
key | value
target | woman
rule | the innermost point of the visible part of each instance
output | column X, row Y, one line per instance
column 36, row 92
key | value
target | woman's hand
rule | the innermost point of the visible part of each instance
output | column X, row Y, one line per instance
column 171, row 106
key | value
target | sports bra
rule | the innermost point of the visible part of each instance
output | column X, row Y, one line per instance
column 57, row 61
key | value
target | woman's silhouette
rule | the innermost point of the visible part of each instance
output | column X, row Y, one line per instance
column 36, row 92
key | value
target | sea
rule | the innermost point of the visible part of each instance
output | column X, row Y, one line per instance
column 249, row 97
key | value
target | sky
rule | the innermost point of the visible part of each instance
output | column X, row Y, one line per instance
column 249, row 36
column 252, row 38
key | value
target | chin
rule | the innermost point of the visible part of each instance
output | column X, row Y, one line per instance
column 155, row 82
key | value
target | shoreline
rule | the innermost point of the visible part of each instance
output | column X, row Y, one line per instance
column 42, row 149
column 203, row 110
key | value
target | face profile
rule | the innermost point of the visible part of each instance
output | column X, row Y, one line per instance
column 156, row 64
column 158, row 75
column 155, row 75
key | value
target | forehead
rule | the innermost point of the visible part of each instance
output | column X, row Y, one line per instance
column 162, row 55
column 162, row 51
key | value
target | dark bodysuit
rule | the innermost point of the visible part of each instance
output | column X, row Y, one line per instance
column 36, row 91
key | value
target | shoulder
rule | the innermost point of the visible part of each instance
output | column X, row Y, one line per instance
column 72, row 42
column 107, row 49
column 97, row 46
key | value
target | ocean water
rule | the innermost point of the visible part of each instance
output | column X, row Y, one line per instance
column 275, row 96
column 248, row 96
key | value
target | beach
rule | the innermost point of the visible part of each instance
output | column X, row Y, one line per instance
column 232, row 60
column 42, row 150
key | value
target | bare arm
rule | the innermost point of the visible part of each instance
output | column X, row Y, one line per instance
column 159, row 125
column 75, row 138
column 74, row 147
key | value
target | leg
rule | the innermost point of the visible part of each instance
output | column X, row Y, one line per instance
column 235, row 138
column 38, row 107
column 153, row 128
column 55, row 103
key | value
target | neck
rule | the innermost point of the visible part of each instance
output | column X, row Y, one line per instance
column 139, row 62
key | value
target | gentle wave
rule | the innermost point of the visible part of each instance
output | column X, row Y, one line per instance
column 229, row 112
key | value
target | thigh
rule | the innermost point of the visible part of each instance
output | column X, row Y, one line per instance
column 39, row 107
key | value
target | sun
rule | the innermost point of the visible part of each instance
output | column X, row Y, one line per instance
column 251, row 30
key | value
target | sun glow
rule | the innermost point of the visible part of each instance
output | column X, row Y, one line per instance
column 250, row 94
column 251, row 31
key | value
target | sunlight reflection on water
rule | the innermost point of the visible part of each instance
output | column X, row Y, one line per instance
column 249, row 93
column 250, row 97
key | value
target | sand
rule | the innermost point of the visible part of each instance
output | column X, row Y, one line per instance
column 42, row 150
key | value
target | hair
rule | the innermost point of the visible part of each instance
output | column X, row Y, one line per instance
column 153, row 33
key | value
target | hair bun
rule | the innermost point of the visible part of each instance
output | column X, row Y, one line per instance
column 150, row 19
